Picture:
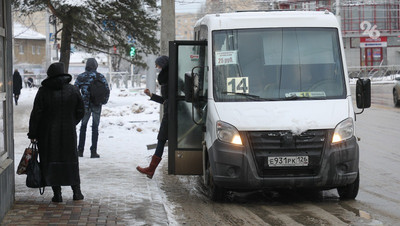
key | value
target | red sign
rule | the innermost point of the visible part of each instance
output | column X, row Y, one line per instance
column 368, row 39
column 367, row 42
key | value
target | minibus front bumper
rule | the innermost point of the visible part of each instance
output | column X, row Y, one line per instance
column 237, row 167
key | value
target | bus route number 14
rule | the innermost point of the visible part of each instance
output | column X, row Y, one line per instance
column 237, row 85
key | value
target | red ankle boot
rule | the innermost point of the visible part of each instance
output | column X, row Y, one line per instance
column 149, row 171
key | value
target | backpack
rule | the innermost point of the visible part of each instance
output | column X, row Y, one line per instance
column 98, row 91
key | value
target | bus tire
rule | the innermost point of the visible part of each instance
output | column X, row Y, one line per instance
column 349, row 191
column 216, row 193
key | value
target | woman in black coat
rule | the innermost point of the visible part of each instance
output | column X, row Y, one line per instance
column 161, row 64
column 17, row 85
column 57, row 109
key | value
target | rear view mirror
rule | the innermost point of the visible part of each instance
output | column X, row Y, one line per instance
column 363, row 93
column 189, row 83
column 191, row 86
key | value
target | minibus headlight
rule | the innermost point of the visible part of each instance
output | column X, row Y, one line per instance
column 228, row 133
column 343, row 131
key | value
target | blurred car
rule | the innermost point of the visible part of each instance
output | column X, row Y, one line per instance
column 396, row 92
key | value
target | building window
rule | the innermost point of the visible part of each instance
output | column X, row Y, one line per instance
column 354, row 42
column 38, row 50
column 21, row 49
column 384, row 15
column 393, row 41
column 33, row 50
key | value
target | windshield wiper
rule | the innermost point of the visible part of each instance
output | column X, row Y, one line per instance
column 249, row 96
column 294, row 97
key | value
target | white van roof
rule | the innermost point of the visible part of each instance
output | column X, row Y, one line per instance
column 268, row 19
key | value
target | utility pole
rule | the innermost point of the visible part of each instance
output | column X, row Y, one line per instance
column 167, row 29
column 48, row 47
column 167, row 33
column 338, row 16
column 167, row 24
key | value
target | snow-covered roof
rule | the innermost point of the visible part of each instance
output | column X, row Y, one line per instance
column 22, row 32
column 78, row 57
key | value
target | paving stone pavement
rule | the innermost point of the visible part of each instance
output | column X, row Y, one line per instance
column 115, row 193
column 124, row 198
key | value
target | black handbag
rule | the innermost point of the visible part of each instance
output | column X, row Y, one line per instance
column 33, row 171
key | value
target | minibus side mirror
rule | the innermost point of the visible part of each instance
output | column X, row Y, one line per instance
column 191, row 86
column 363, row 93
column 189, row 82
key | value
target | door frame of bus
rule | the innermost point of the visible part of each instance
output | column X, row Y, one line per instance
column 172, row 103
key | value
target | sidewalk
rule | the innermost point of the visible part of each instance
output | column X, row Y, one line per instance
column 115, row 193
column 131, row 199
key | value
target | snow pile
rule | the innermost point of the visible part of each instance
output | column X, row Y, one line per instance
column 381, row 79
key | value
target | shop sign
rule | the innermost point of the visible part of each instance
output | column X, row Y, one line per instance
column 367, row 42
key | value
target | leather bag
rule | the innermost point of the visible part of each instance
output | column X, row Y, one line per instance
column 33, row 171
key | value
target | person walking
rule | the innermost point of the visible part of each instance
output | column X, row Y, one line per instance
column 92, row 107
column 57, row 109
column 161, row 65
column 17, row 85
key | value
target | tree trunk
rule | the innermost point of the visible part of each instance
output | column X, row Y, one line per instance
column 65, row 51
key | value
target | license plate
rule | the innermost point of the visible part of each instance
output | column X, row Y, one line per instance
column 280, row 161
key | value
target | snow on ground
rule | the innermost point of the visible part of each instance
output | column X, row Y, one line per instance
column 377, row 80
column 128, row 114
column 129, row 122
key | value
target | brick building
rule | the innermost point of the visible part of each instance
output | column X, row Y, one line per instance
column 184, row 23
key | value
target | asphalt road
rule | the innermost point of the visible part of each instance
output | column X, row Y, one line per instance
column 378, row 201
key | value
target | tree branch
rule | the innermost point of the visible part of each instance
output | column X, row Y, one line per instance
column 52, row 9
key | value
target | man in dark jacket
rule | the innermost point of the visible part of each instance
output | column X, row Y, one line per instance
column 57, row 109
column 17, row 85
column 162, row 64
column 83, row 82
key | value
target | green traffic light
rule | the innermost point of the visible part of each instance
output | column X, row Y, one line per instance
column 133, row 51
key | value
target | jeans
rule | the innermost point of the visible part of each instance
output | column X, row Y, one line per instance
column 160, row 148
column 95, row 112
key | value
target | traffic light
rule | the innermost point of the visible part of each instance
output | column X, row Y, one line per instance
column 133, row 51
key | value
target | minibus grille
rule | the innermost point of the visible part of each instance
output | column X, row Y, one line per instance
column 284, row 145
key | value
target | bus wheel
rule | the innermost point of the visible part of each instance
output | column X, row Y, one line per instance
column 349, row 191
column 216, row 193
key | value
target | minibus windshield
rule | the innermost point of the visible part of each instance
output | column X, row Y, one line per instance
column 277, row 64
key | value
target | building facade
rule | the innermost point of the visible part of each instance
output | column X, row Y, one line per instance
column 370, row 30
column 29, row 51
column 371, row 33
column 184, row 22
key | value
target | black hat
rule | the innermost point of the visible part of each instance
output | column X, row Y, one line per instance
column 55, row 69
column 162, row 61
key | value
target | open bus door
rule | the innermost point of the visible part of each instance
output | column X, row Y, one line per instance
column 186, row 106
